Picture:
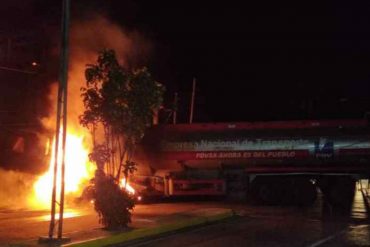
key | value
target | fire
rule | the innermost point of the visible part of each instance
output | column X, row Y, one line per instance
column 126, row 186
column 78, row 169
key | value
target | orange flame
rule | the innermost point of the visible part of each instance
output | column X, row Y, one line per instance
column 126, row 186
column 78, row 169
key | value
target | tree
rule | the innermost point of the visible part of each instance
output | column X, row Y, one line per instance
column 122, row 103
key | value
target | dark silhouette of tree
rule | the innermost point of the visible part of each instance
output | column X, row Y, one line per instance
column 122, row 103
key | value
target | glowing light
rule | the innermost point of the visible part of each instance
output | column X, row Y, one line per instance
column 66, row 215
column 126, row 186
column 77, row 170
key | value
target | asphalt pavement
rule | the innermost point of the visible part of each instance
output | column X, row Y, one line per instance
column 256, row 225
column 279, row 227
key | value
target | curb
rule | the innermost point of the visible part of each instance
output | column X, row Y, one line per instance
column 145, row 233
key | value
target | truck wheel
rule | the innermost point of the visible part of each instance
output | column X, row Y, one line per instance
column 267, row 194
column 284, row 190
column 339, row 192
column 264, row 191
column 304, row 192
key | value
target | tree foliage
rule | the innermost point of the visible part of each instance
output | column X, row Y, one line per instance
column 118, row 98
column 113, row 204
column 122, row 103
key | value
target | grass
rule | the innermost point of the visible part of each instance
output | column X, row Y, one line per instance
column 142, row 233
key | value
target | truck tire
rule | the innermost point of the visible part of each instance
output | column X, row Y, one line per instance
column 265, row 191
column 284, row 190
column 305, row 192
column 267, row 194
column 338, row 191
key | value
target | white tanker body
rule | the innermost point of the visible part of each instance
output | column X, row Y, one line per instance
column 235, row 158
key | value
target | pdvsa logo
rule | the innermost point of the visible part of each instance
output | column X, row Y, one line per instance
column 324, row 148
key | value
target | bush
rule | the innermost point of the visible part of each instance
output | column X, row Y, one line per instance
column 112, row 204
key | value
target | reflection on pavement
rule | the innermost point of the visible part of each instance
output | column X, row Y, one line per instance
column 66, row 215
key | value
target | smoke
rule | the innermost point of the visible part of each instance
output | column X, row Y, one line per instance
column 87, row 38
column 14, row 188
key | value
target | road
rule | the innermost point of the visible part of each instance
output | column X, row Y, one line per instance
column 26, row 226
column 273, row 232
column 256, row 226
column 273, row 226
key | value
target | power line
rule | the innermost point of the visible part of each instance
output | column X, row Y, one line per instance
column 17, row 70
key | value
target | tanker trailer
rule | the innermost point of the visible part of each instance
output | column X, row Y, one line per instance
column 273, row 162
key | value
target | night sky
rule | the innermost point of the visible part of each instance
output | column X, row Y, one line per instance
column 252, row 61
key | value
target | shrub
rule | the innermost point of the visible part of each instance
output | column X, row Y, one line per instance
column 112, row 204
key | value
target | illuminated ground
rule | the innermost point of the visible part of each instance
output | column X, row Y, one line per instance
column 260, row 226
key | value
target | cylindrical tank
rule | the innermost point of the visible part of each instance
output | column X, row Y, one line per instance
column 295, row 146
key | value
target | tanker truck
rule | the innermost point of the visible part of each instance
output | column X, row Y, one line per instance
column 271, row 162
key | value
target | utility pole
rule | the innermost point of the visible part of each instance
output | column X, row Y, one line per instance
column 61, row 121
column 192, row 101
column 9, row 50
column 64, row 80
column 175, row 109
